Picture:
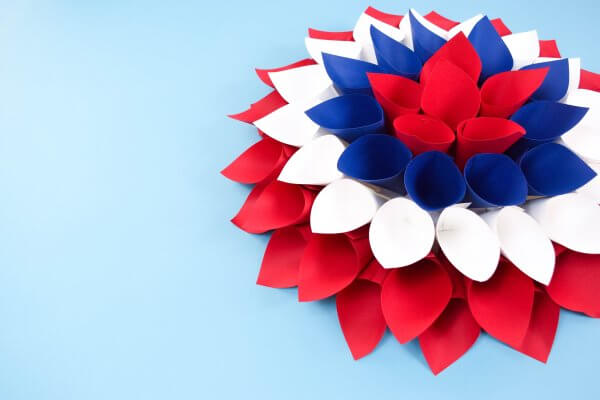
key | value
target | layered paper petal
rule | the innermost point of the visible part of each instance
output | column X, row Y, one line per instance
column 392, row 20
column 328, row 35
column 494, row 53
column 576, row 282
column 257, row 163
column 349, row 116
column 303, row 84
column 551, row 169
column 542, row 328
column 485, row 135
column 349, row 75
column 572, row 220
column 401, row 233
column 261, row 108
column 274, row 205
column 502, row 306
column 583, row 138
column 315, row 163
column 343, row 48
column 549, row 48
column 589, row 80
column 450, row 336
column 396, row 95
column 468, row 243
column 263, row 74
column 427, row 38
column 500, row 27
column 523, row 242
column 360, row 315
column 376, row 159
column 423, row 133
column 343, row 206
column 450, row 94
column 441, row 21
column 288, row 124
column 386, row 23
column 412, row 298
column 556, row 84
column 329, row 264
column 506, row 92
column 281, row 262
column 393, row 56
column 433, row 181
column 494, row 180
column 524, row 48
column 460, row 52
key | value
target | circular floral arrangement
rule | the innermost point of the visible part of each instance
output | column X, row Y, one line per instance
column 438, row 178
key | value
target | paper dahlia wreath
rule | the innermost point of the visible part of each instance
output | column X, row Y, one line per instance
column 437, row 177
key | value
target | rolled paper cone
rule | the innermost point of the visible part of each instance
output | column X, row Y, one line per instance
column 494, row 54
column 494, row 180
column 551, row 169
column 349, row 75
column 380, row 20
column 524, row 48
column 394, row 57
column 401, row 233
column 426, row 37
column 423, row 133
column 263, row 74
column 396, row 94
column 303, row 84
column 433, row 181
column 485, row 135
column 583, row 138
column 349, row 116
column 556, row 83
column 571, row 220
column 378, row 160
column 342, row 48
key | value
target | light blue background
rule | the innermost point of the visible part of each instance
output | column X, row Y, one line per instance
column 120, row 275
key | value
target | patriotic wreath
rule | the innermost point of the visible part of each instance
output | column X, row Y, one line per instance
column 438, row 178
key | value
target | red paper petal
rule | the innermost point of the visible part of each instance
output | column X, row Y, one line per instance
column 589, row 80
column 257, row 163
column 549, row 48
column 558, row 249
column 500, row 27
column 458, row 51
column 450, row 336
column 263, row 74
column 440, row 20
column 390, row 19
column 485, row 135
column 374, row 272
column 264, row 106
column 459, row 290
column 274, row 205
column 413, row 297
column 450, row 94
column 504, row 93
column 396, row 94
column 575, row 284
column 325, row 35
column 542, row 328
column 360, row 316
column 421, row 133
column 329, row 264
column 281, row 261
column 359, row 233
column 502, row 305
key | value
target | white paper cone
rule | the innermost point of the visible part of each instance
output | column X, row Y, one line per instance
column 584, row 138
column 465, row 27
column 343, row 48
column 401, row 233
column 362, row 35
column 592, row 188
column 288, row 124
column 303, row 85
column 524, row 48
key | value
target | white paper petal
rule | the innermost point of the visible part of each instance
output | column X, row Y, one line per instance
column 572, row 220
column 343, row 206
column 303, row 84
column 574, row 76
column 592, row 188
column 288, row 124
column 362, row 35
column 468, row 243
column 401, row 233
column 429, row 25
column 343, row 48
column 524, row 48
column 465, row 27
column 406, row 31
column 315, row 163
column 584, row 138
column 523, row 242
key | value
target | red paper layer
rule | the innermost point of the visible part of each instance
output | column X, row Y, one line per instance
column 390, row 19
column 257, row 163
column 396, row 94
column 374, row 272
column 589, row 80
column 264, row 106
column 500, row 27
column 549, row 48
column 263, row 74
column 440, row 20
column 458, row 51
column 421, row 133
column 326, row 35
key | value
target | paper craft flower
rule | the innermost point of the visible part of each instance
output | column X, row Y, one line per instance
column 438, row 178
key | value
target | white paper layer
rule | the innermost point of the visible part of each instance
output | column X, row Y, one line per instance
column 401, row 233
column 572, row 220
column 362, row 35
column 584, row 138
column 315, row 163
column 592, row 188
column 465, row 27
column 468, row 243
column 524, row 48
column 523, row 242
column 405, row 28
column 343, row 206
column 304, row 86
column 343, row 48
column 288, row 124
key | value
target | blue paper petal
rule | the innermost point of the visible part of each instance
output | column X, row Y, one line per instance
column 494, row 180
column 349, row 116
column 425, row 42
column 551, row 169
column 495, row 56
column 349, row 75
column 433, row 181
column 394, row 57
column 376, row 159
column 556, row 83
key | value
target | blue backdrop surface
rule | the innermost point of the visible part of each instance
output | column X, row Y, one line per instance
column 120, row 274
